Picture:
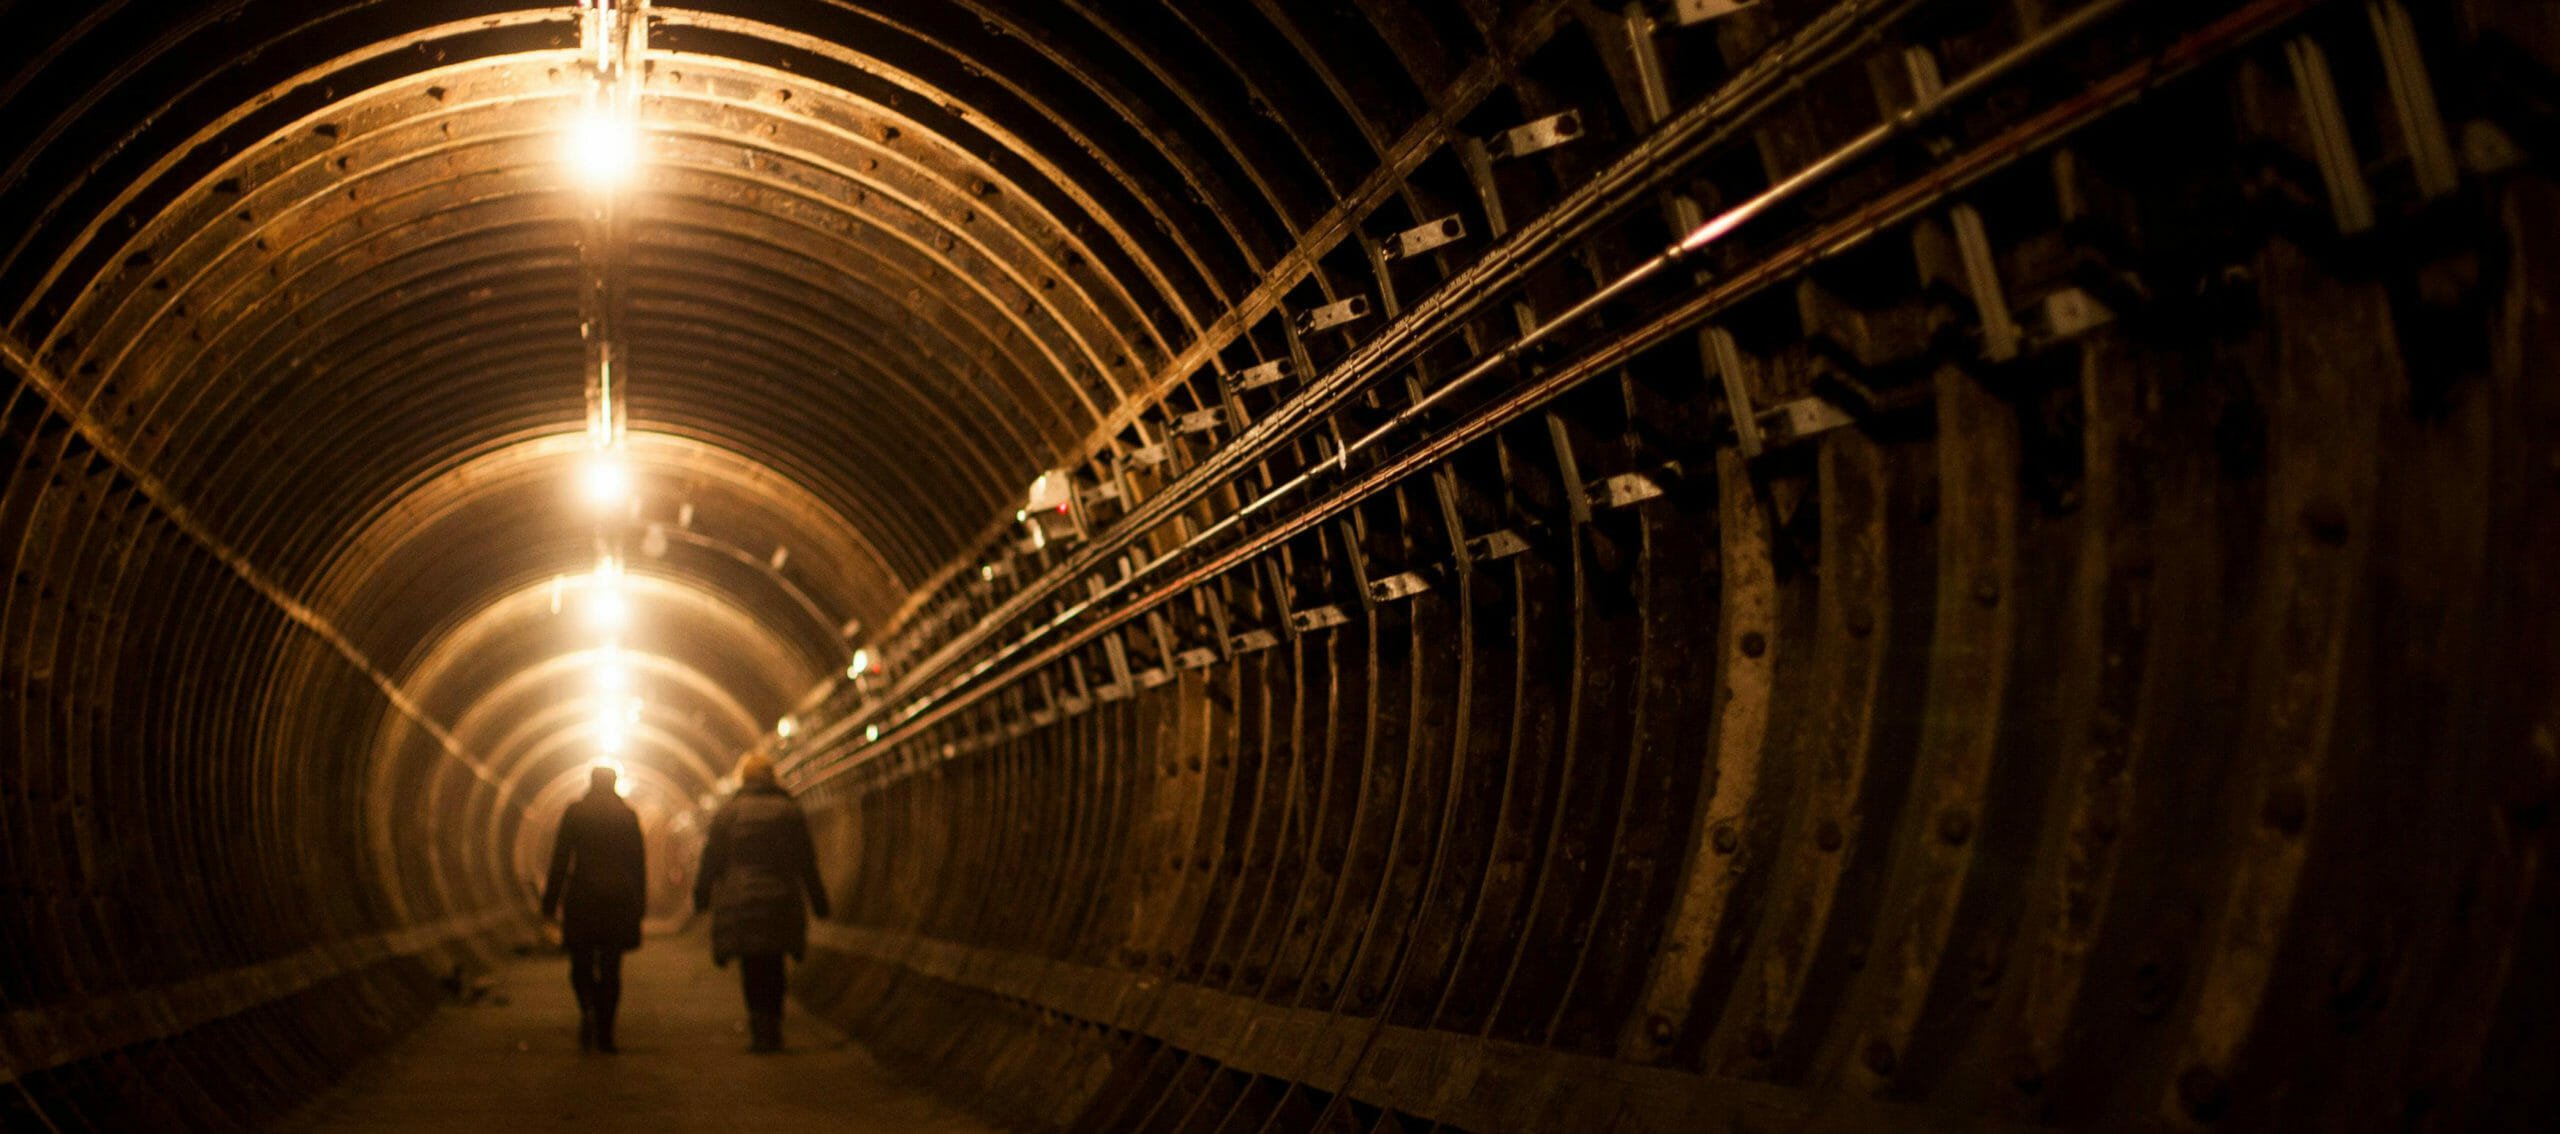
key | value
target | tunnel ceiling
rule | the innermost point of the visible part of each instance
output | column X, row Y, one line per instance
column 319, row 270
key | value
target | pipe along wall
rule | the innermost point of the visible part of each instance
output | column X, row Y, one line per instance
column 2036, row 612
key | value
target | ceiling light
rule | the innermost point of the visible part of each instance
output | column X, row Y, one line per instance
column 604, row 150
column 606, row 481
column 608, row 610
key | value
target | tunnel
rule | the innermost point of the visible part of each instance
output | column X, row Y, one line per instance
column 1315, row 565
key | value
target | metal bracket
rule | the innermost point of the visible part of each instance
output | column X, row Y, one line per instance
column 1201, row 421
column 1423, row 238
column 1687, row 13
column 1252, row 640
column 2071, row 313
column 1197, row 657
column 2350, row 199
column 1256, row 377
column 1318, row 617
column 1496, row 545
column 1805, row 417
column 2413, row 95
column 1116, row 648
column 1537, row 134
column 1334, row 314
column 1477, row 157
column 1624, row 489
column 1737, row 390
column 1982, row 278
column 1399, row 586
column 1148, row 456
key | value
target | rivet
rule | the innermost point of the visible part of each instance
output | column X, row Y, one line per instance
column 2286, row 808
column 1760, row 1044
column 1659, row 1030
column 1754, row 644
column 1879, row 1057
column 1955, row 826
column 1727, row 840
column 1828, row 835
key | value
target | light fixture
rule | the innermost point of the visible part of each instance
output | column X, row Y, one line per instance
column 603, row 149
column 861, row 664
column 785, row 727
column 605, row 480
column 608, row 610
column 871, row 733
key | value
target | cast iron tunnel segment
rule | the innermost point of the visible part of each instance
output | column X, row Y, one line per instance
column 1650, row 565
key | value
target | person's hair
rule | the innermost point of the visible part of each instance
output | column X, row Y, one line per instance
column 601, row 778
column 755, row 768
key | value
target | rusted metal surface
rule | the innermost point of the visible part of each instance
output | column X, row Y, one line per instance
column 1881, row 564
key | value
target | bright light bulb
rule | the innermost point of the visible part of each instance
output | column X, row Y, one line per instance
column 785, row 727
column 612, row 740
column 608, row 610
column 606, row 481
column 604, row 150
column 861, row 664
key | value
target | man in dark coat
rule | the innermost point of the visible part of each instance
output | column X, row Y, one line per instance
column 757, row 863
column 599, row 887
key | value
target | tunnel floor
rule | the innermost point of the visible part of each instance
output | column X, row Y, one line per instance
column 510, row 1061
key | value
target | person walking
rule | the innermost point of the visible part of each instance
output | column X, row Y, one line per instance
column 598, row 888
column 757, row 864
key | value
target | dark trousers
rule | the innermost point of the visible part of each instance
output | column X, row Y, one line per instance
column 595, row 974
column 762, row 979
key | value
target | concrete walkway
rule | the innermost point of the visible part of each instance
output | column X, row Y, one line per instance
column 516, row 1066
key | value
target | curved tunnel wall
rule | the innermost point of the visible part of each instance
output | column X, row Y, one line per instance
column 2037, row 620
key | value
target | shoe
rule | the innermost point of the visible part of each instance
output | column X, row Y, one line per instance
column 586, row 1030
column 764, row 1032
column 604, row 1032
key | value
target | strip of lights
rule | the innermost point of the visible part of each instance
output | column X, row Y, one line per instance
column 602, row 152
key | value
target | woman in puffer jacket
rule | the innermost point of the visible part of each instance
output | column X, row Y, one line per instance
column 758, row 865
